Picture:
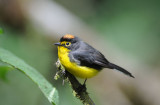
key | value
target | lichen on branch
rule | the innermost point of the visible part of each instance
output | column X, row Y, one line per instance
column 79, row 90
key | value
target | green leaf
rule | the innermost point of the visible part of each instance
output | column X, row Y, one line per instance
column 1, row 31
column 4, row 68
column 49, row 91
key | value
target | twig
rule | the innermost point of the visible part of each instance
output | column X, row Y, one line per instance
column 79, row 90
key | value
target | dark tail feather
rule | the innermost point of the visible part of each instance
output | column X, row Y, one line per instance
column 113, row 66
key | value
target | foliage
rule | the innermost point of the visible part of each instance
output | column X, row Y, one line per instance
column 4, row 68
column 49, row 91
column 1, row 31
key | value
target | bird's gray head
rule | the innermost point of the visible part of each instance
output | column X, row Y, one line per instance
column 69, row 41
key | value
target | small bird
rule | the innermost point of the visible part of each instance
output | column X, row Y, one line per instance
column 81, row 59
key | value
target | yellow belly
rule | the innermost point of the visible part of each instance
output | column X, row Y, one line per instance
column 73, row 68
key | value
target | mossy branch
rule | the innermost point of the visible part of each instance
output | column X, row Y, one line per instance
column 79, row 90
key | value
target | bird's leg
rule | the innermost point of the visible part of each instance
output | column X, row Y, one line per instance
column 84, row 82
column 82, row 87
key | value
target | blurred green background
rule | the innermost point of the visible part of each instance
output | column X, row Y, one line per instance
column 127, row 32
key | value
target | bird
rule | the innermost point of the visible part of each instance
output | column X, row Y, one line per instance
column 81, row 59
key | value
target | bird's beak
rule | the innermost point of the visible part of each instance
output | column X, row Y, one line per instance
column 57, row 44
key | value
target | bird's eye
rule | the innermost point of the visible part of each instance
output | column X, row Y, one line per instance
column 68, row 44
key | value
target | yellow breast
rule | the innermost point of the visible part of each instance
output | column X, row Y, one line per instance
column 73, row 68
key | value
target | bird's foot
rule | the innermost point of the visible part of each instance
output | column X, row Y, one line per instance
column 81, row 88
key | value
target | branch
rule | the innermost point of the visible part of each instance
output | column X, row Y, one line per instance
column 79, row 90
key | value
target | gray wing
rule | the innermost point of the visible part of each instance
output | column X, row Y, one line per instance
column 90, row 57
